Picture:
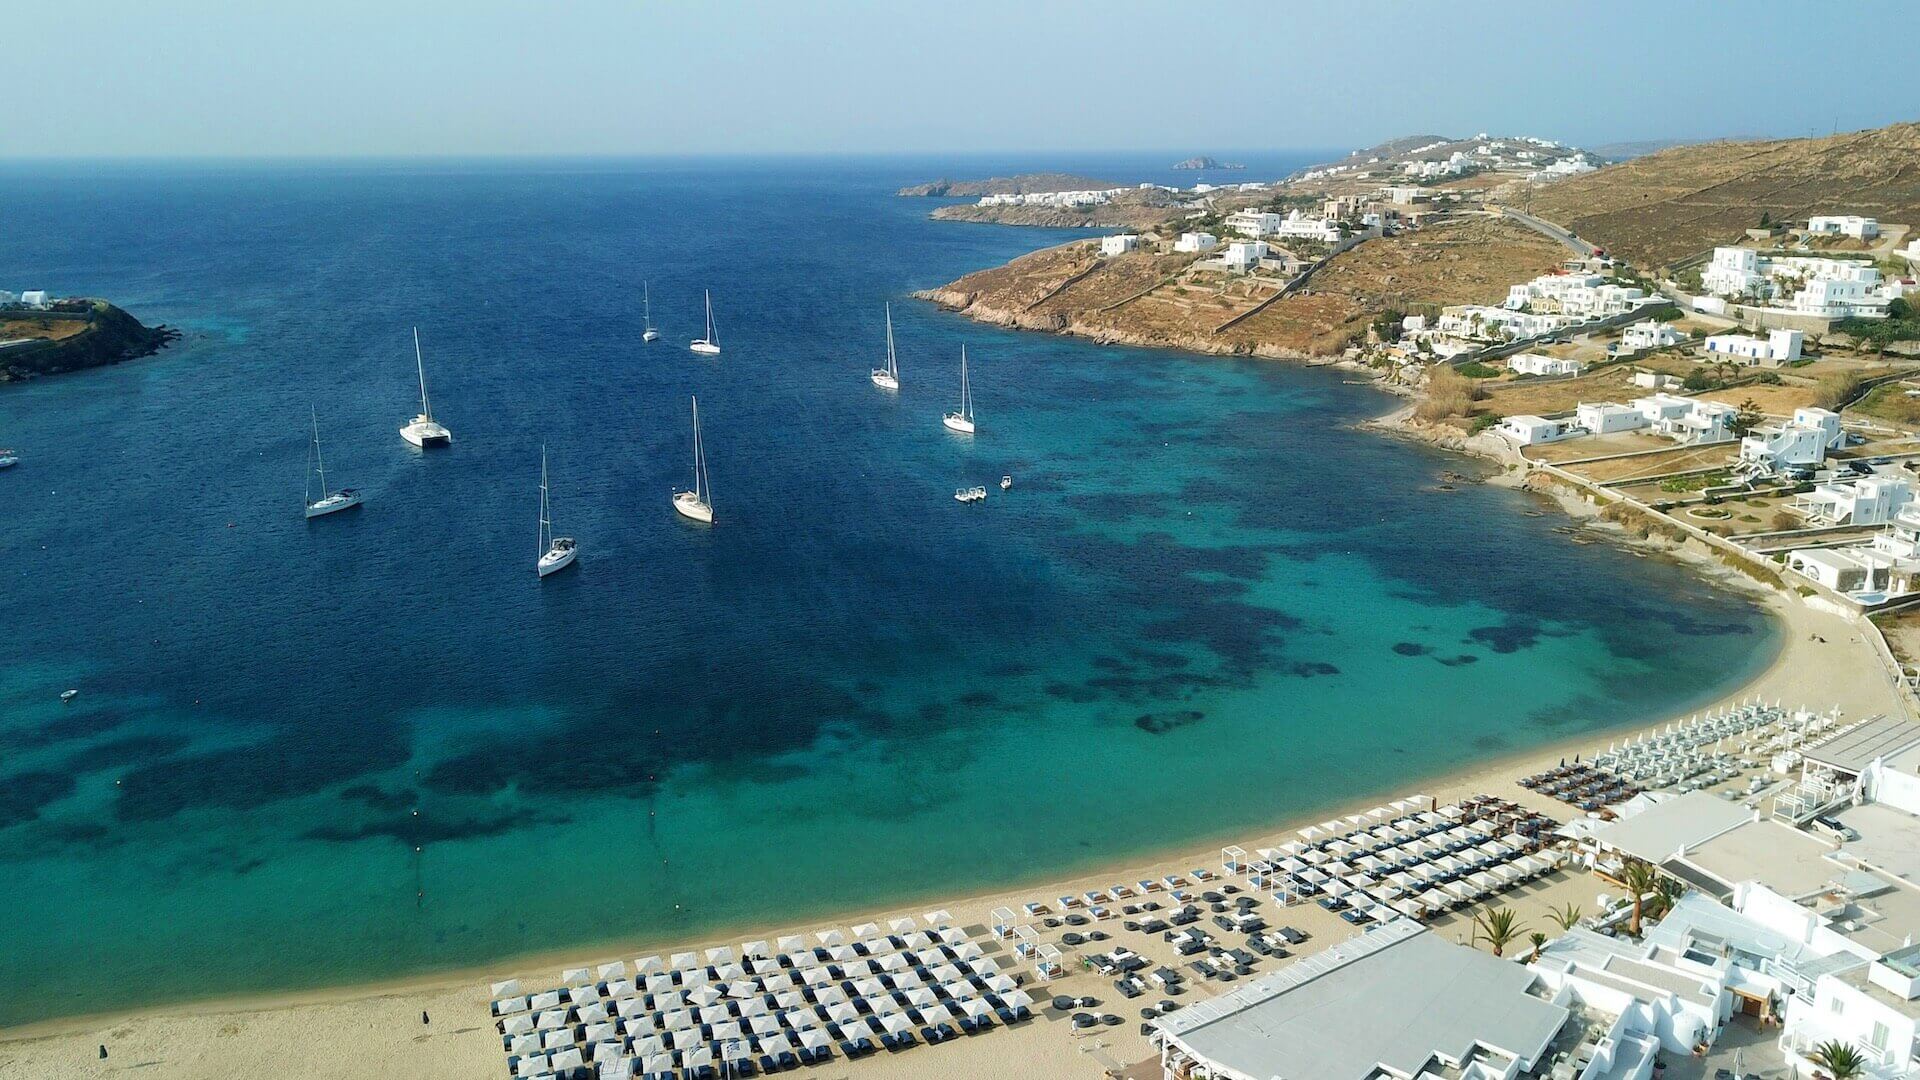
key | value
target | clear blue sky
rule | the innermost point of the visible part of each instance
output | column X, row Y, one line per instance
column 358, row 77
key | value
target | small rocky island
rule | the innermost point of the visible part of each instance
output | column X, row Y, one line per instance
column 1204, row 162
column 1023, row 184
column 72, row 335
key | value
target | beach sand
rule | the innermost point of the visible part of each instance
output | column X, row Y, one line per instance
column 376, row 1031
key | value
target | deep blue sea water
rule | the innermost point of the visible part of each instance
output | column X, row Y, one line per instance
column 374, row 744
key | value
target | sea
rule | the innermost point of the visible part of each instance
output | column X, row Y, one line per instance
column 375, row 744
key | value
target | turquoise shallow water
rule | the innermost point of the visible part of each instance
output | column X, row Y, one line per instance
column 1207, row 603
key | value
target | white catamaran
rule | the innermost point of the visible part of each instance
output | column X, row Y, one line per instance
column 888, row 378
column 961, row 420
column 329, row 501
column 709, row 345
column 649, row 334
column 698, row 503
column 424, row 431
column 556, row 552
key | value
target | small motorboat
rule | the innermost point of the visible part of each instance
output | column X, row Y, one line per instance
column 8, row 459
column 970, row 495
column 69, row 695
column 1006, row 482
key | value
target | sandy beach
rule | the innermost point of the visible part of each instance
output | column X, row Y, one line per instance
column 376, row 1030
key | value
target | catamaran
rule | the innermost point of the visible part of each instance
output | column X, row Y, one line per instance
column 424, row 431
column 698, row 503
column 888, row 378
column 709, row 345
column 556, row 552
column 961, row 420
column 329, row 501
column 649, row 334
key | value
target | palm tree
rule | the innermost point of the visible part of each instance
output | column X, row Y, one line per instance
column 1841, row 1061
column 1566, row 918
column 1539, row 941
column 1640, row 878
column 1497, row 926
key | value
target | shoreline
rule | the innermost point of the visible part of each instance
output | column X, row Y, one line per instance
column 1803, row 672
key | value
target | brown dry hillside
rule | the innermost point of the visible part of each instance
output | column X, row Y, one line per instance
column 1681, row 201
column 1151, row 299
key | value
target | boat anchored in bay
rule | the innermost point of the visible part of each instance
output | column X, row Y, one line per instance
column 696, row 505
column 424, row 431
column 648, row 334
column 710, row 344
column 329, row 501
column 961, row 419
column 888, row 378
column 556, row 552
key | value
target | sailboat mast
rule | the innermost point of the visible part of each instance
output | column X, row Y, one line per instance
column 420, row 363
column 646, row 291
column 319, row 461
column 893, row 366
column 966, row 388
column 699, row 480
column 545, row 525
column 713, row 338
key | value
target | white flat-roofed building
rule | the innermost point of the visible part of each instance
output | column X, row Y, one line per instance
column 1802, row 441
column 1196, row 242
column 1298, row 226
column 1541, row 364
column 1870, row 500
column 1842, row 298
column 1679, row 998
column 1778, row 347
column 1649, row 334
column 1475, row 321
column 1119, row 244
column 1733, row 271
column 1885, row 567
column 1244, row 255
column 1254, row 223
column 36, row 298
column 1873, row 1007
column 1607, row 417
column 1398, row 1001
column 1860, row 228
column 1689, row 420
column 1527, row 430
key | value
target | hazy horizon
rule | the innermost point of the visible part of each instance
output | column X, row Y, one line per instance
column 607, row 78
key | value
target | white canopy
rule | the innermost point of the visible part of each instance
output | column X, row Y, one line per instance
column 518, row 1025
column 576, row 976
column 508, row 988
column 647, row 965
column 615, row 970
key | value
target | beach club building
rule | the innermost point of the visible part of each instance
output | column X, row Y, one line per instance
column 1398, row 1001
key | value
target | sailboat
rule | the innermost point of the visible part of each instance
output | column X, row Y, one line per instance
column 329, row 501
column 697, row 504
column 424, row 431
column 649, row 334
column 888, row 378
column 961, row 420
column 709, row 345
column 556, row 552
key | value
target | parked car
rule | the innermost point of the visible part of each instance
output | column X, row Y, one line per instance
column 1834, row 827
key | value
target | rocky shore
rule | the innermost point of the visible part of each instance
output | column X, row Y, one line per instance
column 107, row 335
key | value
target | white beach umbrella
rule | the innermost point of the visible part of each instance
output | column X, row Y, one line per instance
column 506, row 989
column 659, row 983
column 868, row 988
column 686, row 1039
column 568, row 1059
column 546, row 999
column 866, row 929
column 508, row 1006
column 632, row 1008
column 814, row 1039
column 776, row 1043
column 528, row 1066
column 830, row 936
column 649, row 1044
column 524, row 1044
column 701, row 1058
column 906, row 924
column 819, row 976
column 583, row 995
column 897, row 1023
column 620, row 988
column 518, row 1025
column 723, row 1032
column 593, row 1014
column 554, row 1040
column 937, row 920
column 830, row 995
column 676, row 1020
column 729, row 972
column 720, row 954
column 576, row 976
column 660, row 1063
column 552, row 1018
column 705, row 995
column 843, row 1012
column 648, row 965
column 791, row 943
column 753, row 949
column 764, row 1024
column 615, row 970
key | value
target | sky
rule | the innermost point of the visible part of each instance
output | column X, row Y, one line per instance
column 271, row 78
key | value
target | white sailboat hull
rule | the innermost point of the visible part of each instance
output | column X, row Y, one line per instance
column 704, row 348
column 651, row 335
column 333, row 504
column 8, row 462
column 424, row 433
column 557, row 558
column 956, row 422
column 885, row 380
column 688, row 505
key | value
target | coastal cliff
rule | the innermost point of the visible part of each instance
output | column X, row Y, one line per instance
column 73, row 336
